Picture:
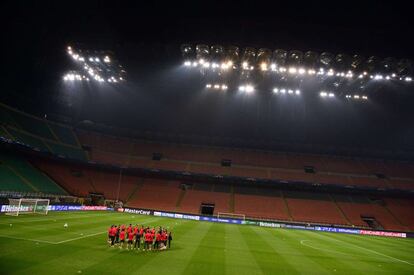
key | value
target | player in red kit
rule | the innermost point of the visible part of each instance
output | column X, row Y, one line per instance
column 122, row 236
column 131, row 236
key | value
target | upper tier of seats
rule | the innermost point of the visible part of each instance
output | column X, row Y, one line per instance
column 249, row 163
column 16, row 174
column 39, row 134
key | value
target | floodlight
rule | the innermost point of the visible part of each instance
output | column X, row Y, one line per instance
column 310, row 59
column 249, row 56
column 208, row 86
column 232, row 54
column 372, row 64
column 224, row 87
column 216, row 86
column 283, row 91
column 356, row 96
column 217, row 53
column 408, row 79
column 263, row 58
column 388, row 65
column 342, row 61
column 202, row 52
column 106, row 59
column 364, row 97
column 290, row 91
column 249, row 88
column 301, row 71
column 297, row 92
column 187, row 51
column 331, row 95
column 275, row 90
column 97, row 59
column 326, row 59
column 279, row 57
column 357, row 62
column 292, row 70
column 187, row 63
column 273, row 67
column 295, row 58
column 404, row 67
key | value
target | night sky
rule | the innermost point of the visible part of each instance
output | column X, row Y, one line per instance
column 160, row 96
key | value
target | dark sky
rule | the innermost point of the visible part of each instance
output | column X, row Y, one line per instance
column 160, row 96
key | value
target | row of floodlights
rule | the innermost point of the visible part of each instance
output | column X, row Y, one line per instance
column 248, row 88
column 295, row 70
column 262, row 57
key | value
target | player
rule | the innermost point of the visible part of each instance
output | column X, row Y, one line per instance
column 131, row 236
column 148, row 240
column 169, row 239
column 112, row 235
column 138, row 235
column 109, row 233
column 122, row 236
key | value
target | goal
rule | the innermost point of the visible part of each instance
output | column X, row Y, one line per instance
column 221, row 215
column 27, row 206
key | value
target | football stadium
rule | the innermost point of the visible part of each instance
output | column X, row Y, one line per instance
column 135, row 143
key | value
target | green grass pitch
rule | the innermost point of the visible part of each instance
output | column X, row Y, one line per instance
column 41, row 245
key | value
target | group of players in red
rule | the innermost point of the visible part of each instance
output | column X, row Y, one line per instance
column 151, row 238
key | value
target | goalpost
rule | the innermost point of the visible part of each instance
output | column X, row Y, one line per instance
column 221, row 215
column 27, row 206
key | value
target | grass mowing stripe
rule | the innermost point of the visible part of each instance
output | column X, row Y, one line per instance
column 239, row 257
column 209, row 257
column 281, row 239
column 270, row 259
column 188, row 235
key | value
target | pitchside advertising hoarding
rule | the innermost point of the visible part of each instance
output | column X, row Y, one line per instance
column 149, row 212
column 25, row 208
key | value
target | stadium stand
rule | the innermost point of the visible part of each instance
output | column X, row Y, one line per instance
column 253, row 201
column 40, row 134
column 245, row 163
column 19, row 175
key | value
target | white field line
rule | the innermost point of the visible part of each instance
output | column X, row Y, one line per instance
column 372, row 251
column 51, row 219
column 78, row 238
column 24, row 239
column 302, row 242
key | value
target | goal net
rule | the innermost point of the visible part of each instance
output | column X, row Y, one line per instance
column 27, row 206
column 221, row 215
